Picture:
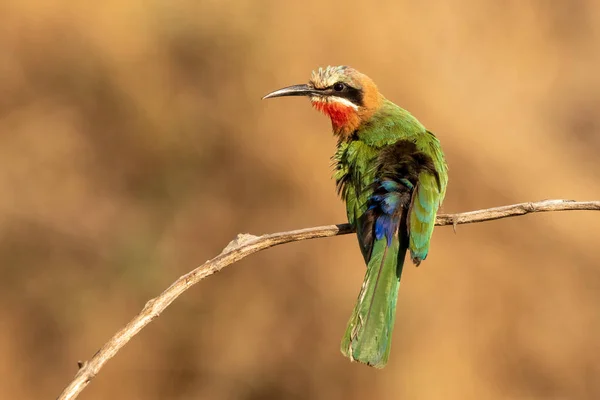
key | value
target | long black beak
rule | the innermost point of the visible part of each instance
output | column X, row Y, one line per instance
column 295, row 90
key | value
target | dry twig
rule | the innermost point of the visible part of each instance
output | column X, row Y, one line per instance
column 245, row 244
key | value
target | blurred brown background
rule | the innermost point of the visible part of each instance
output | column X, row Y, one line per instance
column 134, row 146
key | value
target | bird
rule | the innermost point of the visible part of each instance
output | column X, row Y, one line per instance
column 392, row 174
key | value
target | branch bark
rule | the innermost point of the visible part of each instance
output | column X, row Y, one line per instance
column 244, row 245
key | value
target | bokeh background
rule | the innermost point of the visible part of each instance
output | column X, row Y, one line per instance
column 134, row 146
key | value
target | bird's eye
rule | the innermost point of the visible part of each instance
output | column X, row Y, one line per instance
column 338, row 87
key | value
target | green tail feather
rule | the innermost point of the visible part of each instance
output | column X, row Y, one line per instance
column 368, row 337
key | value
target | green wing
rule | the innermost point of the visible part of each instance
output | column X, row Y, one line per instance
column 427, row 198
column 354, row 172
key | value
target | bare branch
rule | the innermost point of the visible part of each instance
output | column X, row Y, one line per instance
column 515, row 210
column 245, row 244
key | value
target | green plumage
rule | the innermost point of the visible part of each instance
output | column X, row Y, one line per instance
column 393, row 176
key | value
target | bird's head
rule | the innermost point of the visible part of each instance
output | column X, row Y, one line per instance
column 348, row 97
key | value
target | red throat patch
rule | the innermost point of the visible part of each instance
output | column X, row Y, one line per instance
column 340, row 115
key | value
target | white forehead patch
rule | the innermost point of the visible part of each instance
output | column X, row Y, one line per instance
column 335, row 99
column 324, row 77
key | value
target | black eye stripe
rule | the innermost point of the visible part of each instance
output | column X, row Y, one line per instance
column 352, row 94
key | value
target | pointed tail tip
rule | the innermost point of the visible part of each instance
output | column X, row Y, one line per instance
column 378, row 365
column 368, row 363
column 347, row 352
